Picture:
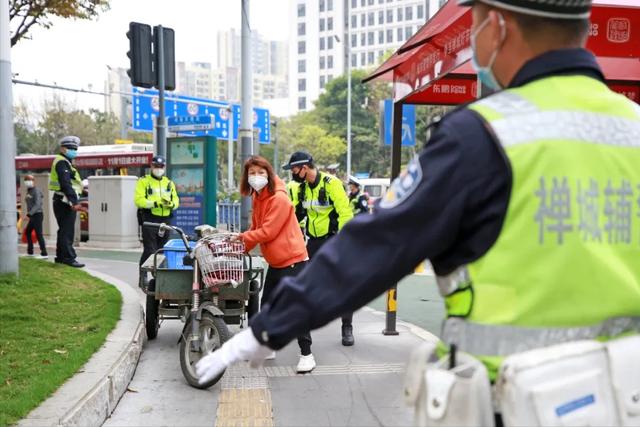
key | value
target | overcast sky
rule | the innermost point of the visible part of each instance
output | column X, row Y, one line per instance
column 75, row 53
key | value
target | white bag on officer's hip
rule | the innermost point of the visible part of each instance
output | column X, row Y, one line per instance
column 624, row 358
column 562, row 385
column 448, row 397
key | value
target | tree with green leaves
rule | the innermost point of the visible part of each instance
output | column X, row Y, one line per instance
column 25, row 14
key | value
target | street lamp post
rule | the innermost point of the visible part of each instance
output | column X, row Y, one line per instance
column 347, row 44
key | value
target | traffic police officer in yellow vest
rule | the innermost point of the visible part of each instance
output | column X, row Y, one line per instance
column 320, row 200
column 157, row 198
column 66, row 184
column 527, row 204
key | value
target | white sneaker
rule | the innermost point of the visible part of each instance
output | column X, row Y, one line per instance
column 306, row 364
column 43, row 256
column 272, row 356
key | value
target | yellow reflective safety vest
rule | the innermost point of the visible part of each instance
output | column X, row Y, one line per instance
column 54, row 180
column 566, row 264
column 158, row 196
column 326, row 206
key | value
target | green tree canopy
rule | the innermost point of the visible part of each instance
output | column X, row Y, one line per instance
column 24, row 14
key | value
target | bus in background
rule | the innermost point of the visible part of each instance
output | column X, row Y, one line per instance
column 92, row 160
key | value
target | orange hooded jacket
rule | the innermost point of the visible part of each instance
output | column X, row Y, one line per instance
column 275, row 228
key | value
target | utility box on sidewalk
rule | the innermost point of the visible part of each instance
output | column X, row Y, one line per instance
column 113, row 221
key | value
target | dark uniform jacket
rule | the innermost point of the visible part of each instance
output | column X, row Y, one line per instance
column 449, row 209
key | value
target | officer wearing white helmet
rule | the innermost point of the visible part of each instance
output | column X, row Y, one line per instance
column 526, row 204
column 66, row 184
column 358, row 201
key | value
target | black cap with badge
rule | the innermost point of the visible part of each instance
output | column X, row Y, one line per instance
column 298, row 158
column 555, row 9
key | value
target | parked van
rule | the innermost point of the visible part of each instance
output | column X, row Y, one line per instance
column 375, row 188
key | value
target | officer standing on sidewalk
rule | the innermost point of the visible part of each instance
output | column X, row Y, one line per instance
column 35, row 200
column 323, row 202
column 66, row 185
column 156, row 196
column 358, row 201
column 515, row 200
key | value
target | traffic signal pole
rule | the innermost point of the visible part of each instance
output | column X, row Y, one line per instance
column 8, row 240
column 161, row 122
column 246, row 121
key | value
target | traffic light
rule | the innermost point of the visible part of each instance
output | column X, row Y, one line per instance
column 140, row 56
column 168, row 43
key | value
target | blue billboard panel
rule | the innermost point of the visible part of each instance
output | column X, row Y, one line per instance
column 146, row 108
column 408, row 123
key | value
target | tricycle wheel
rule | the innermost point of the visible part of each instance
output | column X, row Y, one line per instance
column 152, row 321
column 213, row 333
column 253, row 305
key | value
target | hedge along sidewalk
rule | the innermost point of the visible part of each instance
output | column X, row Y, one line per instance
column 92, row 393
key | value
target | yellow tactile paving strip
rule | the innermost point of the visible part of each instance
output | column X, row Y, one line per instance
column 250, row 408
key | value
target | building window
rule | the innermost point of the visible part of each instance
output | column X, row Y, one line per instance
column 322, row 82
column 363, row 59
column 330, row 42
column 330, row 61
column 408, row 13
column 302, row 66
column 302, row 85
column 371, row 18
column 363, row 39
column 362, row 3
column 407, row 33
column 400, row 34
column 321, row 24
column 301, row 10
column 302, row 29
column 370, row 58
column 370, row 38
column 400, row 18
column 420, row 11
column 380, row 37
column 380, row 17
column 363, row 20
column 370, row 2
column 389, row 36
column 321, row 43
column 354, row 40
column 329, row 24
column 302, row 47
column 321, row 6
column 354, row 21
column 354, row 4
column 354, row 60
column 389, row 16
column 302, row 103
column 329, row 5
column 380, row 1
column 322, row 63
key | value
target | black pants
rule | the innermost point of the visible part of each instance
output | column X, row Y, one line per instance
column 66, row 218
column 313, row 246
column 274, row 275
column 35, row 224
column 151, row 242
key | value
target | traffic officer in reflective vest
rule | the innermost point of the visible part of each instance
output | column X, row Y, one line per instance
column 157, row 198
column 323, row 202
column 525, row 202
column 66, row 184
column 358, row 201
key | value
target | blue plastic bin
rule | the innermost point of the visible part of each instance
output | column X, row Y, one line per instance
column 175, row 251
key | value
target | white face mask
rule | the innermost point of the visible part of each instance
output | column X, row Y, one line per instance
column 258, row 182
column 29, row 184
column 157, row 172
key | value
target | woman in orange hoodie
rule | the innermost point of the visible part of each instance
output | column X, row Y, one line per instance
column 275, row 228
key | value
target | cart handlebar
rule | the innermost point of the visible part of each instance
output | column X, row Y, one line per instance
column 162, row 228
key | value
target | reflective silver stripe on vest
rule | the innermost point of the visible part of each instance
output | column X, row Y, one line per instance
column 458, row 279
column 501, row 340
column 524, row 122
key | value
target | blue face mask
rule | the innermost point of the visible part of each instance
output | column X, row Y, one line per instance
column 71, row 154
column 485, row 74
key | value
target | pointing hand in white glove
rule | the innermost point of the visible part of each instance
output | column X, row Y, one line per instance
column 242, row 346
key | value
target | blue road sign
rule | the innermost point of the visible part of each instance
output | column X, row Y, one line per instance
column 191, row 123
column 408, row 123
column 146, row 108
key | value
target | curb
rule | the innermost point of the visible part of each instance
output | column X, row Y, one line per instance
column 414, row 329
column 91, row 395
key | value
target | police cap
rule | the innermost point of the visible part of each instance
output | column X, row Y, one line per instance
column 355, row 181
column 70, row 141
column 158, row 161
column 557, row 9
column 298, row 158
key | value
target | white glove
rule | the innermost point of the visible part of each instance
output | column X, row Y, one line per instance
column 242, row 346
